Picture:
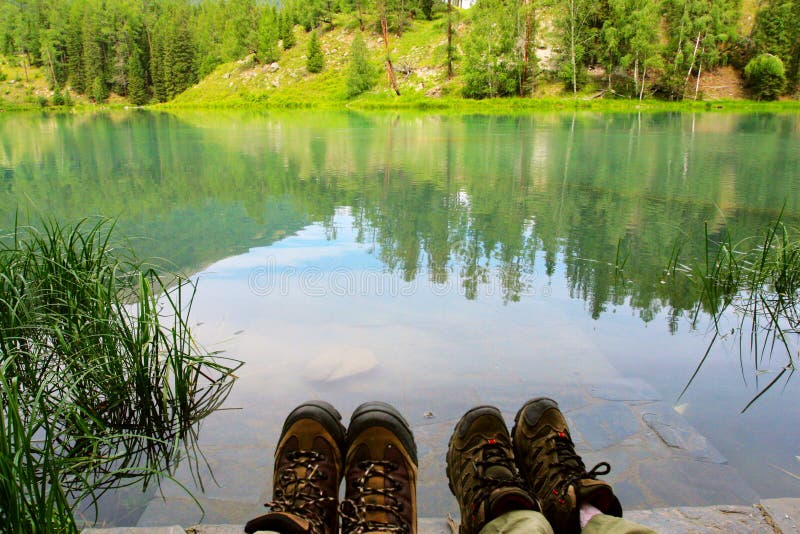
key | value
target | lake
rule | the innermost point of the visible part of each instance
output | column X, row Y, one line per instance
column 439, row 262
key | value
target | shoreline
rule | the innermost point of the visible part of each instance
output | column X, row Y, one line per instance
column 496, row 106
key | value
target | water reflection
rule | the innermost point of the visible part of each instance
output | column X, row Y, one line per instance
column 450, row 195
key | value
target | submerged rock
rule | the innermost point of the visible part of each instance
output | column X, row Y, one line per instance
column 340, row 363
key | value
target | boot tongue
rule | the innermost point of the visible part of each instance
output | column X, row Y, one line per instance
column 499, row 472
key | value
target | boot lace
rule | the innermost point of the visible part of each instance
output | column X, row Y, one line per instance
column 356, row 511
column 571, row 467
column 303, row 495
column 491, row 454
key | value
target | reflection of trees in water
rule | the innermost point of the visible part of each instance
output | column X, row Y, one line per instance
column 466, row 199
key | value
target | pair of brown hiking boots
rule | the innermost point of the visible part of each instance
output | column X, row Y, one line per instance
column 376, row 456
column 534, row 468
column 490, row 471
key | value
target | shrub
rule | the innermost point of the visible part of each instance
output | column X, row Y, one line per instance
column 3, row 76
column 315, row 60
column 99, row 91
column 58, row 97
column 360, row 74
column 765, row 77
column 427, row 9
column 42, row 101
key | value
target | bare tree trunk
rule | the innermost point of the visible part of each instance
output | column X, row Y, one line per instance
column 527, row 44
column 644, row 78
column 385, row 30
column 697, row 85
column 691, row 67
column 636, row 74
column 52, row 69
column 449, row 38
column 360, row 16
column 572, row 48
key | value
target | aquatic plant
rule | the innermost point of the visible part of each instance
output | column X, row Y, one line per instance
column 102, row 383
column 758, row 280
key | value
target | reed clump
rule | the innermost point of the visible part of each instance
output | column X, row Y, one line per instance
column 756, row 280
column 102, row 383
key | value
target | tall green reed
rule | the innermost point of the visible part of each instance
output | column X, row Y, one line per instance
column 757, row 281
column 101, row 380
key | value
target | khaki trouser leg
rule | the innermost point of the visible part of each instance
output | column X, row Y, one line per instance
column 607, row 524
column 529, row 522
column 518, row 522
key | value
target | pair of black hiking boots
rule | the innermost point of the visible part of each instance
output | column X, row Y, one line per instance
column 489, row 471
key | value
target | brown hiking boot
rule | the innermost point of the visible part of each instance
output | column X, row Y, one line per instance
column 308, row 471
column 554, row 472
column 380, row 472
column 481, row 470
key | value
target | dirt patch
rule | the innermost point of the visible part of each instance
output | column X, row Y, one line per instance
column 723, row 83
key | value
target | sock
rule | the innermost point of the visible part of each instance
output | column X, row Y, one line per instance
column 587, row 512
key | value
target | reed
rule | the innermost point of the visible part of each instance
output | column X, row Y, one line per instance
column 757, row 281
column 101, row 380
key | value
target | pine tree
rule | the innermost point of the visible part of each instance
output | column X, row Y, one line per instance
column 268, row 51
column 137, row 93
column 75, row 48
column 360, row 73
column 94, row 64
column 179, row 55
column 286, row 31
column 315, row 60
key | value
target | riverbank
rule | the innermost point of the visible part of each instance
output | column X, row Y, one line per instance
column 496, row 106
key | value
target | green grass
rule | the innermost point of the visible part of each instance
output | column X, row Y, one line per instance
column 757, row 279
column 101, row 379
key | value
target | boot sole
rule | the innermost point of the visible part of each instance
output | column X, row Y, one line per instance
column 323, row 413
column 371, row 414
column 466, row 420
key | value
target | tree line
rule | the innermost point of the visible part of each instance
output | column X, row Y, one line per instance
column 150, row 50
column 641, row 47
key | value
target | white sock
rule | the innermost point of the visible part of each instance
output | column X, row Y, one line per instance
column 587, row 512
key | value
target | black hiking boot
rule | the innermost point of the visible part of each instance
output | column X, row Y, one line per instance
column 308, row 471
column 553, row 471
column 481, row 470
column 380, row 472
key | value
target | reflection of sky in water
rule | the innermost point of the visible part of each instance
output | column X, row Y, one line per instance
column 323, row 318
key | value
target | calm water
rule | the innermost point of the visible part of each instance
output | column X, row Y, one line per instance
column 433, row 261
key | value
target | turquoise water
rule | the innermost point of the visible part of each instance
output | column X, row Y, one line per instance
column 438, row 259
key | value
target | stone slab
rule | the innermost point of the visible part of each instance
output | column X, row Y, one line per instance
column 785, row 513
column 689, row 483
column 728, row 519
column 175, row 529
column 630, row 390
column 185, row 511
column 676, row 432
column 603, row 425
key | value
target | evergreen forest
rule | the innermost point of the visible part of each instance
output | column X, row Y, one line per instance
column 152, row 50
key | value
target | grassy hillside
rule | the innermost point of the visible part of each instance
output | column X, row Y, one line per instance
column 418, row 57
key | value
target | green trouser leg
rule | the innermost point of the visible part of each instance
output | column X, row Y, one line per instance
column 608, row 524
column 529, row 522
column 518, row 522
